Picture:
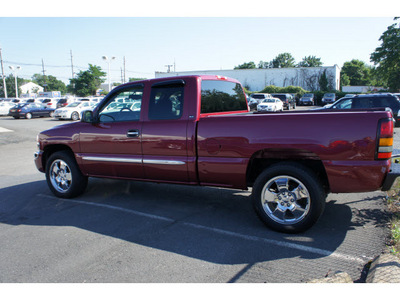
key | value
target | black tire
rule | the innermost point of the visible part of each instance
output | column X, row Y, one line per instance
column 63, row 176
column 75, row 116
column 295, row 204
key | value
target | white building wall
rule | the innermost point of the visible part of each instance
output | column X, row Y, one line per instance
column 258, row 79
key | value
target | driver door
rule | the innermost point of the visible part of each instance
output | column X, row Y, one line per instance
column 112, row 146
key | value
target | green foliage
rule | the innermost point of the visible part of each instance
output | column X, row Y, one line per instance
column 310, row 61
column 10, row 84
column 387, row 57
column 136, row 79
column 87, row 82
column 358, row 72
column 283, row 60
column 344, row 79
column 53, row 84
column 271, row 89
column 323, row 82
column 249, row 65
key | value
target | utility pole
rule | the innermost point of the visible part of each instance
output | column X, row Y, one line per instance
column 4, row 78
column 44, row 77
column 72, row 65
column 124, row 71
column 122, row 76
column 169, row 68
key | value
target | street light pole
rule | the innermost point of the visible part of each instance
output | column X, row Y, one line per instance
column 108, row 73
column 3, row 76
column 15, row 69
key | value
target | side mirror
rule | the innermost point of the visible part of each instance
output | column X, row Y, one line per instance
column 87, row 116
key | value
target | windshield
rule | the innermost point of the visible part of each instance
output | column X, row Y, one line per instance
column 329, row 95
column 75, row 104
column 308, row 95
column 269, row 101
column 257, row 96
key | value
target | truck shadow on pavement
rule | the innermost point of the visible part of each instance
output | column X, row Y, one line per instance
column 210, row 224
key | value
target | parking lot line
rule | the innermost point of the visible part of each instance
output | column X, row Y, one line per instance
column 308, row 249
column 5, row 130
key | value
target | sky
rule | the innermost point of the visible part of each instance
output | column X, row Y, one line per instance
column 150, row 41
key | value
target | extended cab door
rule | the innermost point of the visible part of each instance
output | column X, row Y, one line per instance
column 164, row 133
column 111, row 146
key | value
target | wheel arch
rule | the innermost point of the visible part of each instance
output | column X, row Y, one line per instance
column 50, row 149
column 265, row 158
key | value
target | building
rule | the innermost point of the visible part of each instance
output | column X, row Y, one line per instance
column 31, row 88
column 258, row 79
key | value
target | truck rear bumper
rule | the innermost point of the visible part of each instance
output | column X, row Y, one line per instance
column 393, row 174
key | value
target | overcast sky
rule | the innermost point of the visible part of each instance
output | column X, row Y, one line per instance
column 192, row 43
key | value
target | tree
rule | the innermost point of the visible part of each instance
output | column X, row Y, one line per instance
column 249, row 65
column 283, row 60
column 87, row 82
column 310, row 61
column 53, row 84
column 10, row 84
column 387, row 57
column 323, row 82
column 358, row 72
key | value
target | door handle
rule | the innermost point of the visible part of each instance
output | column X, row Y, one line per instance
column 133, row 133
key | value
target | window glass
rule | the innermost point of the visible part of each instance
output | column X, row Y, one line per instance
column 345, row 104
column 166, row 102
column 221, row 96
column 124, row 106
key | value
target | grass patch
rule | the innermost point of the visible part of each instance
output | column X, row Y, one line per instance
column 394, row 207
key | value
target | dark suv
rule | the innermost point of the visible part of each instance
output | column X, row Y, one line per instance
column 287, row 99
column 370, row 101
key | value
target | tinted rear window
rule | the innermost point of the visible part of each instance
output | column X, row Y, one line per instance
column 222, row 96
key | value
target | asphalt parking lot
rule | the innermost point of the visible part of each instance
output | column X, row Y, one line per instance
column 123, row 231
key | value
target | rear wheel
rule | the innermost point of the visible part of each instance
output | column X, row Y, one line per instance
column 28, row 116
column 63, row 176
column 288, row 197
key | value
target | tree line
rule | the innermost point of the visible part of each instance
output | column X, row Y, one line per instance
column 385, row 72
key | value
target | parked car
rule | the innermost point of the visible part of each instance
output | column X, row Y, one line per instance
column 328, row 98
column 307, row 99
column 273, row 104
column 257, row 98
column 50, row 102
column 368, row 101
column 30, row 110
column 287, row 99
column 5, row 107
column 65, row 102
column 73, row 111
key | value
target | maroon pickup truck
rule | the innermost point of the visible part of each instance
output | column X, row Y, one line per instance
column 198, row 130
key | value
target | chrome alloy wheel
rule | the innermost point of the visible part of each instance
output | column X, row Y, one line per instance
column 60, row 176
column 285, row 200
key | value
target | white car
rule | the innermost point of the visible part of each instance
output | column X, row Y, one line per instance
column 5, row 107
column 73, row 111
column 273, row 104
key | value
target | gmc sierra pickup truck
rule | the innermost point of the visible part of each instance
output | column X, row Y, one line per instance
column 198, row 130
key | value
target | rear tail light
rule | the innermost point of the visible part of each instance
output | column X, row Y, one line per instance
column 385, row 139
column 19, row 110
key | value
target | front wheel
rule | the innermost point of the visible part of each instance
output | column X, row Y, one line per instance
column 63, row 176
column 75, row 116
column 28, row 116
column 288, row 197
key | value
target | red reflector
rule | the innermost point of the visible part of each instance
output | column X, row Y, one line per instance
column 386, row 129
column 385, row 155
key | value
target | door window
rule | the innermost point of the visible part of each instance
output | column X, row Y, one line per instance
column 123, row 106
column 166, row 102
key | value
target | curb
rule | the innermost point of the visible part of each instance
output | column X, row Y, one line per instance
column 384, row 269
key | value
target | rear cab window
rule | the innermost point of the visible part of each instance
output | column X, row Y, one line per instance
column 222, row 97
